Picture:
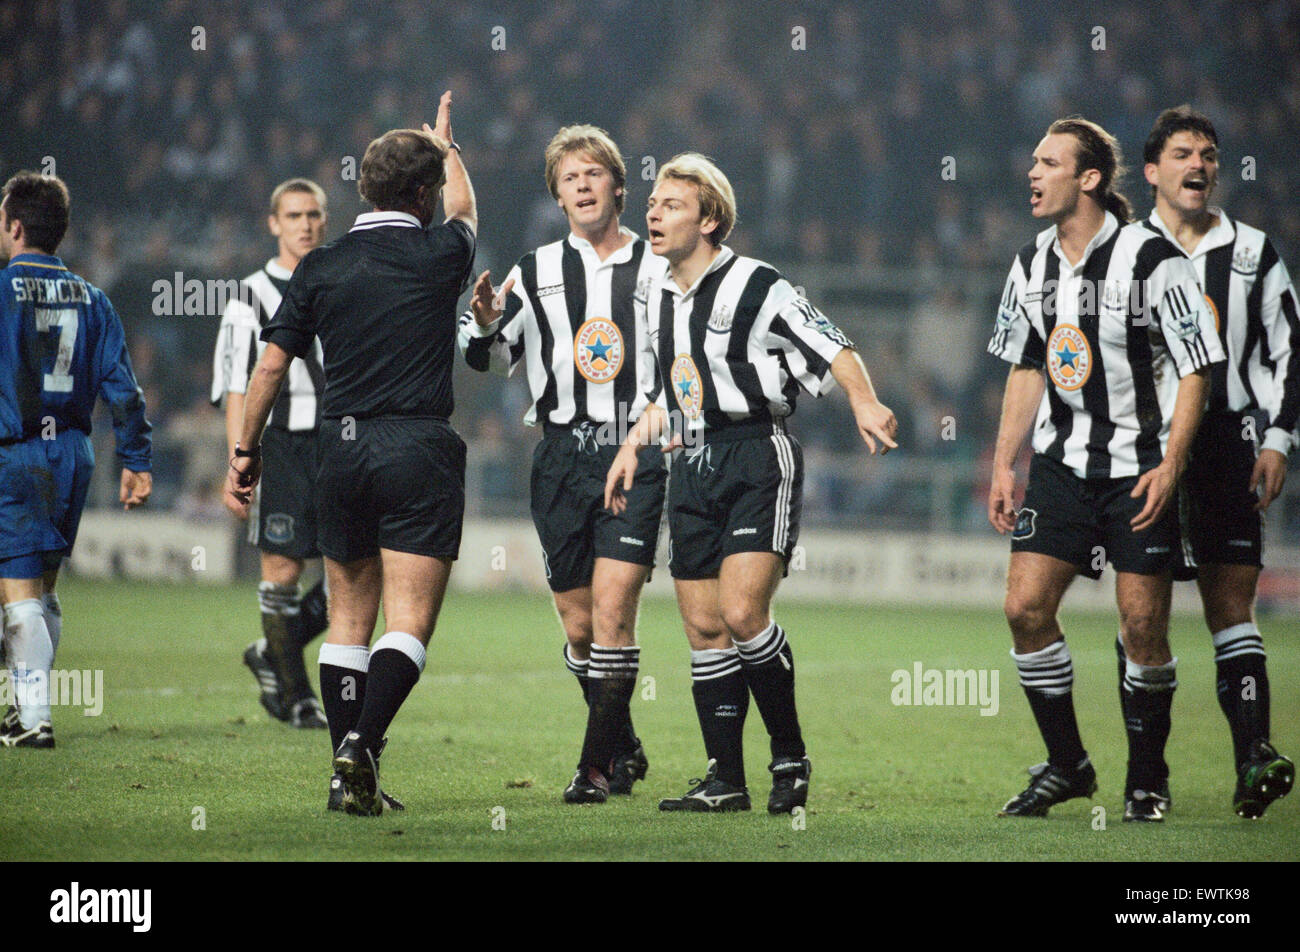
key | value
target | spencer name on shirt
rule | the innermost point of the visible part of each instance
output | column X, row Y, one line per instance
column 51, row 290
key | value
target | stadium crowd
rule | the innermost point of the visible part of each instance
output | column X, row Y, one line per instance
column 171, row 122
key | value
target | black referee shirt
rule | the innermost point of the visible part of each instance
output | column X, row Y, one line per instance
column 382, row 300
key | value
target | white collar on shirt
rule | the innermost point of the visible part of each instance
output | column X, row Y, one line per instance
column 724, row 255
column 277, row 270
column 1108, row 227
column 583, row 246
column 380, row 219
column 1221, row 234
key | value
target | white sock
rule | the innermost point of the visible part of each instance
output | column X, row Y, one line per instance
column 31, row 655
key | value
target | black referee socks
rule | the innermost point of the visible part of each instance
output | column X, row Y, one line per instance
column 396, row 661
column 342, row 687
column 768, row 666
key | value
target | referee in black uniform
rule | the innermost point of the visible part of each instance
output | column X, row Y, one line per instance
column 390, row 489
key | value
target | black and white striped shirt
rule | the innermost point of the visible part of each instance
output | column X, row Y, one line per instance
column 579, row 325
column 238, row 349
column 1114, row 333
column 738, row 344
column 1255, row 310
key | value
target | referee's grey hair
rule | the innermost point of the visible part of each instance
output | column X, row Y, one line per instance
column 1099, row 150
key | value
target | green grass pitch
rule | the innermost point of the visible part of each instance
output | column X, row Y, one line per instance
column 491, row 733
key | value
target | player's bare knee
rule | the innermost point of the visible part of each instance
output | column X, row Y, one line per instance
column 1030, row 620
column 613, row 624
column 744, row 621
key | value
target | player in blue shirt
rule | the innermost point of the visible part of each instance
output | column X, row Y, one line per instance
column 61, row 347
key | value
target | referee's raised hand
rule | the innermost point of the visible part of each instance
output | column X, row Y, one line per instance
column 486, row 302
column 442, row 122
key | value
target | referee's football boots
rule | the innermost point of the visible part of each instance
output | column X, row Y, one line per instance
column 268, row 680
column 336, row 796
column 358, row 768
column 709, row 795
column 1049, row 786
column 1264, row 777
column 789, row 784
column 1146, row 806
column 587, row 786
column 626, row 770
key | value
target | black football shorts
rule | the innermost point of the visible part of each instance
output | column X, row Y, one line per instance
column 393, row 483
column 740, row 492
column 1086, row 522
column 283, row 520
column 1216, row 507
column 568, row 504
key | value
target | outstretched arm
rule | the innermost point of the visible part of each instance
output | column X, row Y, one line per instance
column 875, row 420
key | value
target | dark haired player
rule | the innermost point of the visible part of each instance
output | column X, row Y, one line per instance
column 61, row 347
column 1111, row 343
column 282, row 520
column 1228, row 486
column 390, row 490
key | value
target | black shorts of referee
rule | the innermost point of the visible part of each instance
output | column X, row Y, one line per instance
column 1087, row 522
column 283, row 518
column 393, row 483
column 741, row 491
column 1216, row 508
column 570, row 464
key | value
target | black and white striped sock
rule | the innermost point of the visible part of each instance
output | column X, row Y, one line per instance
column 1242, row 686
column 768, row 665
column 1148, row 700
column 580, row 669
column 612, row 679
column 721, row 703
column 1047, row 676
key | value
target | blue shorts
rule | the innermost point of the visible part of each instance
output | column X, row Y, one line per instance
column 43, row 486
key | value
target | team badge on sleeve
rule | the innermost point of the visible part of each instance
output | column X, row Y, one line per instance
column 819, row 322
column 1069, row 358
column 687, row 386
column 598, row 350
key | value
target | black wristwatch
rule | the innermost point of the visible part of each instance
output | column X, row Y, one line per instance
column 451, row 144
column 254, row 453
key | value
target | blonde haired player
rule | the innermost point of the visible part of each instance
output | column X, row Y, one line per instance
column 734, row 342
column 573, row 312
